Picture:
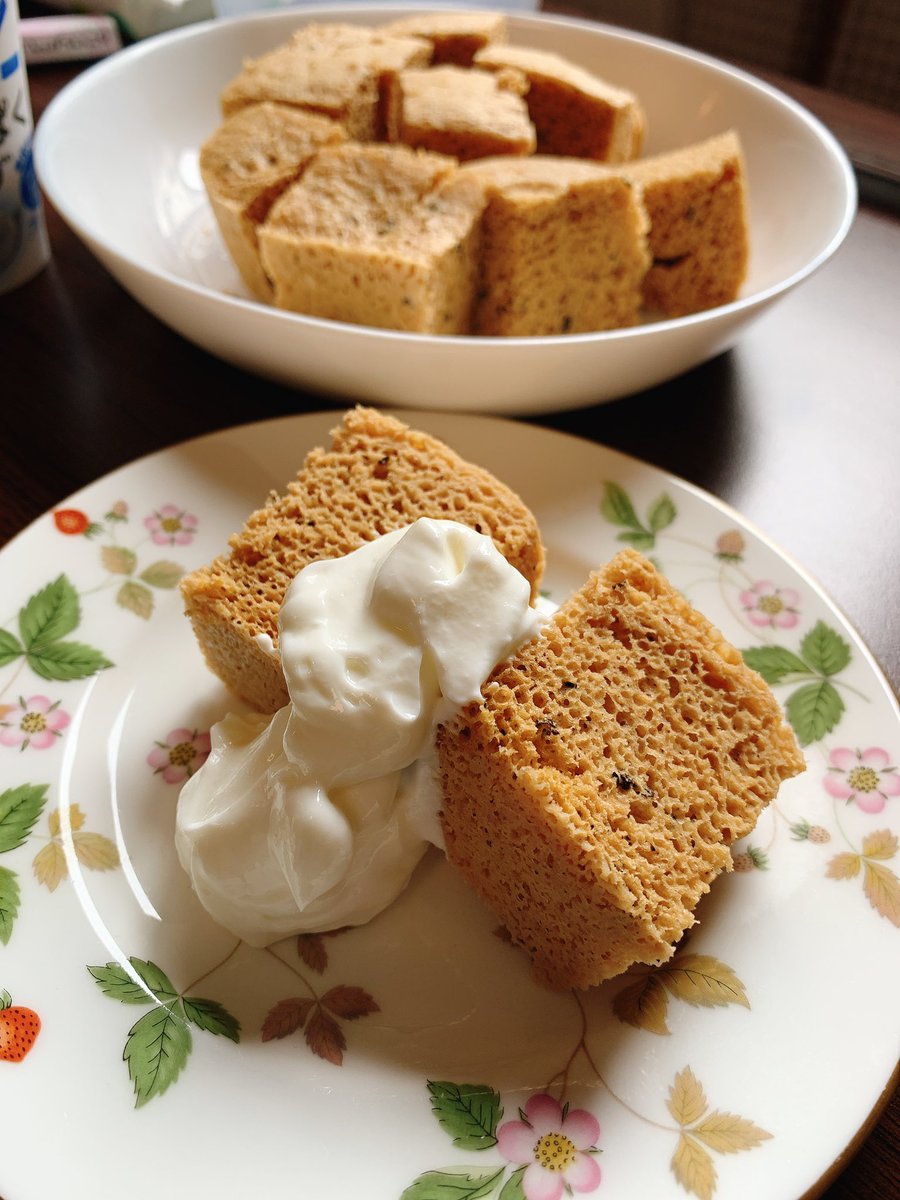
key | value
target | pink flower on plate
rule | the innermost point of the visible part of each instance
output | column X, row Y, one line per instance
column 182, row 753
column 36, row 722
column 171, row 526
column 766, row 604
column 864, row 776
column 554, row 1145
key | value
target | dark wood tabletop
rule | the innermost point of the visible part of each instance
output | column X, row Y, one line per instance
column 798, row 428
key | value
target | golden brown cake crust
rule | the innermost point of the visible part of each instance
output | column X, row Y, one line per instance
column 378, row 475
column 594, row 794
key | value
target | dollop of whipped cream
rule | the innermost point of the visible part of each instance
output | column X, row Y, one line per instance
column 316, row 818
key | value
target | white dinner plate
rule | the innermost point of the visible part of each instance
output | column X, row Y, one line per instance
column 116, row 152
column 404, row 1058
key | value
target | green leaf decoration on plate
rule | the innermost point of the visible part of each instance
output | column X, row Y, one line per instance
column 10, row 648
column 825, row 650
column 157, row 1050
column 468, row 1112
column 64, row 661
column 617, row 508
column 661, row 514
column 9, row 903
column 453, row 1185
column 20, row 808
column 44, row 621
column 210, row 1016
column 159, row 1043
column 638, row 539
column 119, row 984
column 814, row 710
column 513, row 1189
column 816, row 707
column 50, row 614
column 775, row 663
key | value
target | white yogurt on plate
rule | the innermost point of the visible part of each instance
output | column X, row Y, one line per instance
column 315, row 818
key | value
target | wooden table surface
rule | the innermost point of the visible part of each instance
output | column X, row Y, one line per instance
column 798, row 428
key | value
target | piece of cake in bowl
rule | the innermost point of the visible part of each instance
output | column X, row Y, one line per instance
column 377, row 235
column 564, row 247
column 467, row 114
column 247, row 163
column 336, row 70
column 697, row 204
column 455, row 37
column 574, row 112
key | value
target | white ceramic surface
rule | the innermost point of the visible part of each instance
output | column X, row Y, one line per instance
column 116, row 153
column 742, row 1070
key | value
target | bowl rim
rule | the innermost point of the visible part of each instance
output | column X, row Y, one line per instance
column 158, row 44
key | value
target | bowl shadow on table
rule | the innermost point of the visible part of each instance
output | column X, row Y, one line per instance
column 694, row 426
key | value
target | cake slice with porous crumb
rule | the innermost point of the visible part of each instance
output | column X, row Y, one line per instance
column 696, row 199
column 378, row 475
column 336, row 70
column 377, row 235
column 575, row 113
column 564, row 247
column 455, row 37
column 592, row 797
column 246, row 165
column 467, row 114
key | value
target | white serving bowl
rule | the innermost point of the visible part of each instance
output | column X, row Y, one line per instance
column 116, row 154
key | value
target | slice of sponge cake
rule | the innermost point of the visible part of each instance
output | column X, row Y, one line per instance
column 564, row 247
column 378, row 475
column 593, row 795
column 336, row 70
column 574, row 112
column 450, row 110
column 696, row 199
column 378, row 235
column 246, row 165
column 455, row 37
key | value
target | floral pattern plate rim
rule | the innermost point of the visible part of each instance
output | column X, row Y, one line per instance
column 413, row 1059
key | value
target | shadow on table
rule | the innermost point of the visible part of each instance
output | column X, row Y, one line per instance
column 694, row 426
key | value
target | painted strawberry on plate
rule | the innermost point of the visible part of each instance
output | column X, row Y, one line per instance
column 19, row 1027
